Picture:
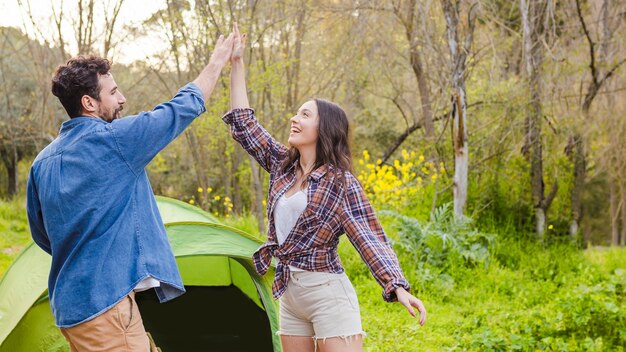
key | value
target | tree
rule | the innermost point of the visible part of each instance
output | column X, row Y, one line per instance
column 89, row 28
column 534, row 23
column 458, row 57
column 410, row 14
column 599, row 77
column 22, row 111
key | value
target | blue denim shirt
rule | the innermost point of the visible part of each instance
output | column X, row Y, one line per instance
column 90, row 205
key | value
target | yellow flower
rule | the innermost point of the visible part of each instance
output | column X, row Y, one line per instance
column 550, row 227
column 217, row 197
column 191, row 201
column 200, row 190
column 209, row 190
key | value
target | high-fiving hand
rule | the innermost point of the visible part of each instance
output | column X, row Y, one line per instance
column 223, row 51
column 239, row 44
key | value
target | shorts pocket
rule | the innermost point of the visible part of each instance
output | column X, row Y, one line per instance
column 348, row 292
column 310, row 279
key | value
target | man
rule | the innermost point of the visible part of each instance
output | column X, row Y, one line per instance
column 91, row 207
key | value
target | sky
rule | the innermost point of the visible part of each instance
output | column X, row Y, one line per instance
column 133, row 12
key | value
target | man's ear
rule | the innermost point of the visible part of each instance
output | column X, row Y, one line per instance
column 88, row 103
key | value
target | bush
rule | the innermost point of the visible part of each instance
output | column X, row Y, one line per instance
column 443, row 241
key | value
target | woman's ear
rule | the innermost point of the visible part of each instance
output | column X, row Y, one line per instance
column 88, row 103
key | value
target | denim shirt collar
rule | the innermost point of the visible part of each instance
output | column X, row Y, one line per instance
column 73, row 122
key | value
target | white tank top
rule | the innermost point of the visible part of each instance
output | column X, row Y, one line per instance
column 286, row 214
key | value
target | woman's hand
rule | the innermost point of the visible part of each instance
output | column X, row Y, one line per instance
column 410, row 301
column 239, row 44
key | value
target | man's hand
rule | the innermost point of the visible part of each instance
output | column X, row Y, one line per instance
column 207, row 79
column 223, row 51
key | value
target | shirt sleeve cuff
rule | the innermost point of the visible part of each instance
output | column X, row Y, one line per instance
column 389, row 291
column 237, row 114
column 196, row 92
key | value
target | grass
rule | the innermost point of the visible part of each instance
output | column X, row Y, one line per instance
column 527, row 297
column 14, row 234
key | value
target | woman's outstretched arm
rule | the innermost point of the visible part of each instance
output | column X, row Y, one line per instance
column 238, row 92
column 244, row 126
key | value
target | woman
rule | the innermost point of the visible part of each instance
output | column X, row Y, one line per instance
column 313, row 199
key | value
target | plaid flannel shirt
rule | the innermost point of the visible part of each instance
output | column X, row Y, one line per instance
column 331, row 211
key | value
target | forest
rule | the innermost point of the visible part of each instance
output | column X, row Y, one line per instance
column 487, row 134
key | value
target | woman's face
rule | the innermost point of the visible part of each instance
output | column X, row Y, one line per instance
column 304, row 126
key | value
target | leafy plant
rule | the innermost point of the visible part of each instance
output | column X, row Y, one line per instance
column 443, row 240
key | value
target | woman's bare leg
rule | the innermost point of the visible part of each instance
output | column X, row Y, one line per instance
column 353, row 343
column 297, row 343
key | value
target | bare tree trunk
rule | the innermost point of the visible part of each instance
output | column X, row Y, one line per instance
column 576, row 151
column 614, row 212
column 259, row 209
column 58, row 20
column 422, row 84
column 407, row 16
column 11, row 160
column 622, row 240
column 198, row 162
column 458, row 56
column 576, row 146
column 225, row 170
column 110, row 26
column 410, row 26
column 293, row 73
column 533, row 12
column 622, row 195
column 236, row 164
column 84, row 28
column 461, row 157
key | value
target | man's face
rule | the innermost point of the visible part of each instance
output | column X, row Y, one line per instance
column 111, row 102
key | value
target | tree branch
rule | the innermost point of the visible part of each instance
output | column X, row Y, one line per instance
column 592, row 54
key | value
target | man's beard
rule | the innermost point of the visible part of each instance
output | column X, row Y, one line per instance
column 116, row 114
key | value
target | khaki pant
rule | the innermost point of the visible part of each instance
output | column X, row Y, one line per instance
column 119, row 329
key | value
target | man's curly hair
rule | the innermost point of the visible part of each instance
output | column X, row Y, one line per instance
column 78, row 77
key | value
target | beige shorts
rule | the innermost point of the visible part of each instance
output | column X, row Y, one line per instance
column 320, row 305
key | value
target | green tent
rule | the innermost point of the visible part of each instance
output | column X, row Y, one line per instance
column 227, row 307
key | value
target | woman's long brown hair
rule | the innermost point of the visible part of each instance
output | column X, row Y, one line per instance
column 333, row 149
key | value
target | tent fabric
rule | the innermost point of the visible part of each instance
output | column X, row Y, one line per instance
column 23, row 283
column 173, row 210
column 208, row 254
